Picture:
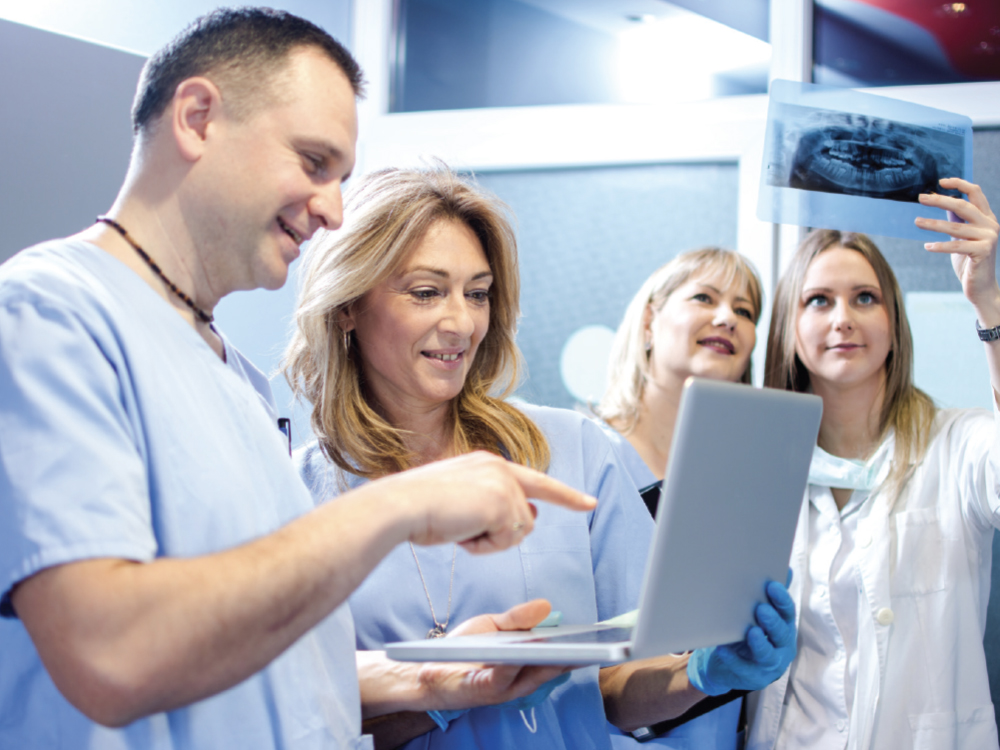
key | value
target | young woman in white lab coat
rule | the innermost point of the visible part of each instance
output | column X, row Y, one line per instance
column 892, row 554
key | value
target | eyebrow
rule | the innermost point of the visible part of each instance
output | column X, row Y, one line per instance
column 719, row 292
column 855, row 288
column 441, row 272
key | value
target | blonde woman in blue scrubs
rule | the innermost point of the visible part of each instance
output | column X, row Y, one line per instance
column 695, row 315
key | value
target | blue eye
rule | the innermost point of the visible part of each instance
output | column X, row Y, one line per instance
column 867, row 298
column 745, row 313
column 817, row 300
column 701, row 297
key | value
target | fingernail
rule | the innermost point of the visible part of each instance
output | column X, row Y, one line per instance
column 929, row 245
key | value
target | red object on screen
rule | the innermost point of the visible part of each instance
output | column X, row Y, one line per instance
column 969, row 32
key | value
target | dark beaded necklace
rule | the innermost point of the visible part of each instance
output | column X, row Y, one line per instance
column 203, row 316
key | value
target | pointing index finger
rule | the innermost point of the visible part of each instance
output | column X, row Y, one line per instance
column 539, row 486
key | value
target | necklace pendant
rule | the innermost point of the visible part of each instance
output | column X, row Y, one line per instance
column 436, row 632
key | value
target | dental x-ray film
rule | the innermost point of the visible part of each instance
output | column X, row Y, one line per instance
column 840, row 159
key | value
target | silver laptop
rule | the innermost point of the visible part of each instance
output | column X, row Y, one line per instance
column 731, row 496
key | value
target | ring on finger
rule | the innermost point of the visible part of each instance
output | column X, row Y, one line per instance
column 516, row 526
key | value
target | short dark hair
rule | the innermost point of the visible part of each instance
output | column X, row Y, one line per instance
column 246, row 46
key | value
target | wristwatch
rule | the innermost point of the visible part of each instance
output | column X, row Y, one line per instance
column 988, row 334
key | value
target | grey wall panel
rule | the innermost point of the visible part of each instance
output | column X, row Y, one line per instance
column 589, row 237
column 65, row 135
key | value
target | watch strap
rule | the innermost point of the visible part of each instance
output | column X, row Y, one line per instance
column 987, row 334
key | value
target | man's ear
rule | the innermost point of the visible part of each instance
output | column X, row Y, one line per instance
column 196, row 104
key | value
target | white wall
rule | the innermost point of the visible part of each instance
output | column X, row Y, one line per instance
column 143, row 26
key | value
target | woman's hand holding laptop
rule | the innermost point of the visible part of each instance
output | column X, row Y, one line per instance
column 756, row 661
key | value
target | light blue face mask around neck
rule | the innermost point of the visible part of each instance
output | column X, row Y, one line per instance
column 827, row 470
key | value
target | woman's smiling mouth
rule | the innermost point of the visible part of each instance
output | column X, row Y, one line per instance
column 718, row 344
column 442, row 356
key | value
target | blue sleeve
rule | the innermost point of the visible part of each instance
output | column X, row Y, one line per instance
column 320, row 475
column 621, row 529
column 72, row 477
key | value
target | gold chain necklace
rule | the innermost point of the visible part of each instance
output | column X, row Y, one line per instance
column 440, row 628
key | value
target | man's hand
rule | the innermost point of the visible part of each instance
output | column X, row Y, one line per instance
column 123, row 640
column 479, row 500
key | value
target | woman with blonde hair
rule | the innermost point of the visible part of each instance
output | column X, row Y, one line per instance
column 892, row 553
column 695, row 315
column 405, row 347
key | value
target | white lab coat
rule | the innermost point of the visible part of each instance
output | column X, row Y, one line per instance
column 925, row 581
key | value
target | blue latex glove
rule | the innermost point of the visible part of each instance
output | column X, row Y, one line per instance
column 444, row 718
column 524, row 703
column 756, row 661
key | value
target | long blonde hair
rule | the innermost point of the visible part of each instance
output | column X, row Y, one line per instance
column 905, row 408
column 628, row 368
column 387, row 214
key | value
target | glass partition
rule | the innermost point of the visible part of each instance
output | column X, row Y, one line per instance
column 455, row 54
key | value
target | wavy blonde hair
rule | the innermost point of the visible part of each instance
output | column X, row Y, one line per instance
column 628, row 368
column 387, row 214
column 905, row 408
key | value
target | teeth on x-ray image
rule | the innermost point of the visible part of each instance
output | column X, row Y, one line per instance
column 836, row 152
column 843, row 159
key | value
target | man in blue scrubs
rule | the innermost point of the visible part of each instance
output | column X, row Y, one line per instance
column 165, row 580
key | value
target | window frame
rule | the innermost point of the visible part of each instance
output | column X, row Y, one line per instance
column 726, row 130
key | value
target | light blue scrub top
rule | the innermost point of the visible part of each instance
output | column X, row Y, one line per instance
column 590, row 566
column 125, row 436
column 715, row 730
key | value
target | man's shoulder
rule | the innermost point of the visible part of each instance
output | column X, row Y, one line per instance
column 57, row 270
